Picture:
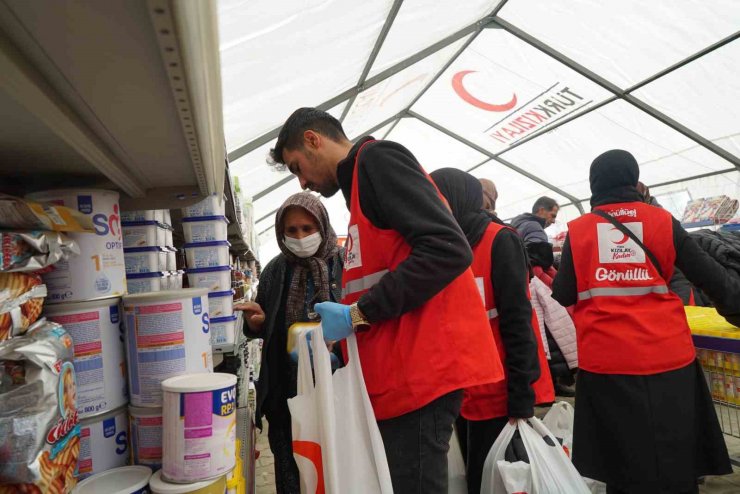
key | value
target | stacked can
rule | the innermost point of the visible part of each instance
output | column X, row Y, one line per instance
column 84, row 297
column 207, row 255
column 151, row 263
column 167, row 335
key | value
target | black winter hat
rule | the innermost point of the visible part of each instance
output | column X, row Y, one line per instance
column 613, row 169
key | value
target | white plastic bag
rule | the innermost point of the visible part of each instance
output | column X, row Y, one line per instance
column 559, row 420
column 491, row 481
column 517, row 476
column 336, row 441
column 552, row 471
column 456, row 480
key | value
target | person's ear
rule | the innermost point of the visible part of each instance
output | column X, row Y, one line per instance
column 312, row 139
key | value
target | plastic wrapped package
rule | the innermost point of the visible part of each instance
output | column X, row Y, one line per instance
column 39, row 431
column 22, row 214
column 21, row 300
column 32, row 251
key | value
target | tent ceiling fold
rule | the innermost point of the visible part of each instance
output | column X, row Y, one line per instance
column 564, row 155
column 524, row 92
column 274, row 54
column 625, row 42
column 421, row 23
column 397, row 92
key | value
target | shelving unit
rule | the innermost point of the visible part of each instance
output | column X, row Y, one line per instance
column 117, row 94
column 122, row 95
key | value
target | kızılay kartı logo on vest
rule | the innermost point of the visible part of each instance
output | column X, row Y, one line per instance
column 616, row 247
column 352, row 252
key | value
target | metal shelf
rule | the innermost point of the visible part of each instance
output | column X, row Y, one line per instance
column 122, row 94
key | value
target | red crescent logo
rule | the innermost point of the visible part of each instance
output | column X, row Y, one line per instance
column 312, row 451
column 622, row 240
column 457, row 85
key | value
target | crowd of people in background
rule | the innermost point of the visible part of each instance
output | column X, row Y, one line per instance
column 463, row 319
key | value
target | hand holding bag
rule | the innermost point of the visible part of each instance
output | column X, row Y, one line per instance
column 336, row 441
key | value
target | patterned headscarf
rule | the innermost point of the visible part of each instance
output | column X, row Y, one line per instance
column 316, row 265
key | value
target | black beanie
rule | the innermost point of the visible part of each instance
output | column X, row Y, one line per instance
column 613, row 169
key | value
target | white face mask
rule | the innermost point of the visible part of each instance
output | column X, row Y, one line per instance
column 304, row 247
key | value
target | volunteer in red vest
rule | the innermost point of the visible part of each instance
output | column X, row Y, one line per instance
column 501, row 271
column 408, row 292
column 644, row 420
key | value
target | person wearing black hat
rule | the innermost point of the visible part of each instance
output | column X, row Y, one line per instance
column 644, row 420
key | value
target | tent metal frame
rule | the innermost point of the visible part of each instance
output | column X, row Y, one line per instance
column 490, row 21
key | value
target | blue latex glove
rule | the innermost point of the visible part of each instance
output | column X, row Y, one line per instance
column 332, row 357
column 335, row 320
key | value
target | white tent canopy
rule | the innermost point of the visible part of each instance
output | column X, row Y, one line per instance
column 523, row 92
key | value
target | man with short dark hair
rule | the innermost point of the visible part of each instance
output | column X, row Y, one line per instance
column 408, row 292
column 531, row 226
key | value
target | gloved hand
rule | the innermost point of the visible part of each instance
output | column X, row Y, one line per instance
column 335, row 320
column 332, row 357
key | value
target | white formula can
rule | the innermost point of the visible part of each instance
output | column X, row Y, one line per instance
column 167, row 334
column 205, row 229
column 207, row 254
column 99, row 271
column 199, row 421
column 146, row 436
column 215, row 279
column 103, row 443
column 100, row 364
column 212, row 205
column 123, row 480
column 221, row 304
column 223, row 333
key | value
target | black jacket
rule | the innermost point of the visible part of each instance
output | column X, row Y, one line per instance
column 395, row 194
column 277, row 379
column 510, row 277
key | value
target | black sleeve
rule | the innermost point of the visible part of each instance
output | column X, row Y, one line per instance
column 510, row 276
column 395, row 194
column 564, row 288
column 720, row 285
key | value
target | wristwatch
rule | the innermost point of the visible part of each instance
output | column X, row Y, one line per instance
column 358, row 318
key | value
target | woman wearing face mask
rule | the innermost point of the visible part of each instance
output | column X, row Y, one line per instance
column 307, row 271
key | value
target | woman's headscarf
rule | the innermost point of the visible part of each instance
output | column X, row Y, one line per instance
column 490, row 194
column 316, row 264
column 464, row 194
column 613, row 178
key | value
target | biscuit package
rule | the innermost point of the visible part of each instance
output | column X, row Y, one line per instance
column 39, row 430
column 21, row 300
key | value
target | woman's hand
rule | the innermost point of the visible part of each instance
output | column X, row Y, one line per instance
column 253, row 314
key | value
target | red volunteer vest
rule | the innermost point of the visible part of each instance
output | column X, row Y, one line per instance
column 491, row 400
column 425, row 353
column 627, row 320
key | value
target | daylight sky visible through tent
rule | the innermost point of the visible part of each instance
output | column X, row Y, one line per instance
column 523, row 92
